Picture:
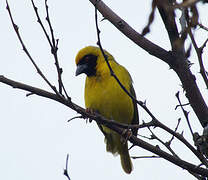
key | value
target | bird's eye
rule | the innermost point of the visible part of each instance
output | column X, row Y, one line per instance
column 87, row 58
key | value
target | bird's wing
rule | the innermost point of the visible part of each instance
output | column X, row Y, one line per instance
column 135, row 119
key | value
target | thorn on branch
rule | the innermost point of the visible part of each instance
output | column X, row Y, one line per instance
column 29, row 94
column 131, row 147
column 188, row 52
column 57, row 41
column 60, row 70
column 203, row 46
column 144, row 103
column 103, row 19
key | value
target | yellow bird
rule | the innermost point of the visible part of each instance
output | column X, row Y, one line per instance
column 103, row 94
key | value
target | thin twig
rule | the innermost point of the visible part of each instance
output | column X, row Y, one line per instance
column 41, row 24
column 199, row 52
column 203, row 27
column 145, row 137
column 27, row 52
column 145, row 157
column 131, row 147
column 106, row 59
column 142, row 104
column 186, row 104
column 54, row 50
column 66, row 169
column 53, row 44
column 150, row 19
column 182, row 139
column 176, row 128
column 167, row 145
column 185, row 113
column 203, row 45
column 77, row 117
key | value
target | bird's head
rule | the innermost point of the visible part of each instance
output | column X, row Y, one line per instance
column 89, row 59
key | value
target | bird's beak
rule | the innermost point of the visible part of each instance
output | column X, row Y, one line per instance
column 81, row 68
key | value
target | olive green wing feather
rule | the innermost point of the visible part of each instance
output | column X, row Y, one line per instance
column 135, row 119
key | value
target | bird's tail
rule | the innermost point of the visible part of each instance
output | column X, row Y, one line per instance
column 115, row 146
column 125, row 159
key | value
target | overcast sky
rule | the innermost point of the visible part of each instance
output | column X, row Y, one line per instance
column 35, row 136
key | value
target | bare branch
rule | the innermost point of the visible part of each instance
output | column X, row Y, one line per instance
column 167, row 145
column 16, row 29
column 66, row 169
column 168, row 16
column 203, row 45
column 54, row 50
column 137, row 38
column 133, row 98
column 186, row 104
column 53, row 44
column 203, row 27
column 40, row 22
column 175, row 59
column 109, row 66
column 151, row 18
column 76, row 117
column 176, row 62
column 101, row 120
column 199, row 52
column 176, row 128
column 185, row 113
column 145, row 157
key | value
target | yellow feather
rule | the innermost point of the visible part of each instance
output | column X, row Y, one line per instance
column 104, row 94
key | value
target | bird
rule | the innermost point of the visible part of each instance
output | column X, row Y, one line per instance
column 104, row 95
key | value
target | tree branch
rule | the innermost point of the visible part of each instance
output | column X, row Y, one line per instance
column 53, row 44
column 199, row 52
column 177, row 62
column 168, row 16
column 126, row 29
column 185, row 113
column 66, row 168
column 98, row 118
column 16, row 29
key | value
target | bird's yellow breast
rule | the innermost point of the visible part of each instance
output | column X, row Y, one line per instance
column 103, row 93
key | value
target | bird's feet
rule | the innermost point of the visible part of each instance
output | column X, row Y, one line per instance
column 126, row 134
column 90, row 111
